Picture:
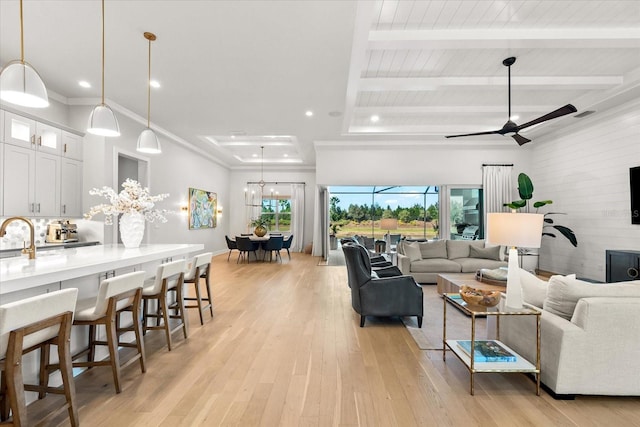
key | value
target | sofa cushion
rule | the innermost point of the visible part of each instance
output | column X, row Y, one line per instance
column 471, row 265
column 436, row 249
column 486, row 253
column 460, row 248
column 412, row 251
column 534, row 289
column 501, row 251
column 564, row 292
column 435, row 265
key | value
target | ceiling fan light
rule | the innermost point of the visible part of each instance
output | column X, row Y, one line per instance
column 103, row 122
column 148, row 142
column 20, row 84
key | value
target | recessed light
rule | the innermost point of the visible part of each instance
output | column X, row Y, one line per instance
column 514, row 117
column 254, row 155
column 375, row 118
column 286, row 155
column 309, row 113
column 84, row 84
column 154, row 84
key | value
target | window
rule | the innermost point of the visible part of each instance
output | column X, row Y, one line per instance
column 465, row 214
column 277, row 210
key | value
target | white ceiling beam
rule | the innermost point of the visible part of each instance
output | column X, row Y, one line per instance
column 575, row 38
column 458, row 109
column 383, row 84
column 424, row 129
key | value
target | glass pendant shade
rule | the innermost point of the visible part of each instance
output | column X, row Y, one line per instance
column 103, row 122
column 20, row 84
column 148, row 142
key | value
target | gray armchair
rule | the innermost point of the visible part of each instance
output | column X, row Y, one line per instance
column 380, row 296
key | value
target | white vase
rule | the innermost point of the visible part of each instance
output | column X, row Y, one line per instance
column 131, row 229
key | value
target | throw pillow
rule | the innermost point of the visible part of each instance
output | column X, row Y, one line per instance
column 412, row 251
column 565, row 291
column 502, row 250
column 534, row 290
column 485, row 253
column 460, row 248
column 436, row 249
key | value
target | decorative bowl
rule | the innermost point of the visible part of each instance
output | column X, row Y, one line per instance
column 473, row 296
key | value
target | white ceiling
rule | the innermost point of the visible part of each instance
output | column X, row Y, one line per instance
column 237, row 75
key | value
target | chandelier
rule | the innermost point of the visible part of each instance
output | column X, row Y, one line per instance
column 248, row 199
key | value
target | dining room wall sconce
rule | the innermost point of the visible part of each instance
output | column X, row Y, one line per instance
column 184, row 208
column 20, row 83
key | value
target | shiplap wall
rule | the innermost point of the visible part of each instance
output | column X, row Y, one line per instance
column 585, row 171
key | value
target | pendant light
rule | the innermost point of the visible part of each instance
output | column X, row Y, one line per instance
column 102, row 120
column 20, row 83
column 148, row 140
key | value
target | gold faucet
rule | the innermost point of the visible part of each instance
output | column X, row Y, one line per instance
column 32, row 247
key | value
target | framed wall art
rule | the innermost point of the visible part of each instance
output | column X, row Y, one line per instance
column 203, row 206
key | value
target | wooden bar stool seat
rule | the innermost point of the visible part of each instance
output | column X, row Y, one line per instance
column 31, row 324
column 200, row 269
column 169, row 278
column 117, row 295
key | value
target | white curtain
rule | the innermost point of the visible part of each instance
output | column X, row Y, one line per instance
column 297, row 217
column 320, row 223
column 497, row 188
column 253, row 204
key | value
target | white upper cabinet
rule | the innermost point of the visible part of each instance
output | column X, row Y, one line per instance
column 29, row 133
column 71, row 146
column 71, row 188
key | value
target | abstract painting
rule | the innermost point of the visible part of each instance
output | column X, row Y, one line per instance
column 202, row 209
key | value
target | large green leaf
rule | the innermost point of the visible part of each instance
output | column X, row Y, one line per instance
column 525, row 187
column 542, row 203
column 517, row 204
column 568, row 233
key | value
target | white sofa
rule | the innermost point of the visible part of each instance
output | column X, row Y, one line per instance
column 590, row 335
column 425, row 260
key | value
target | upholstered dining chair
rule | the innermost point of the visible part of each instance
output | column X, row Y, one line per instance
column 286, row 244
column 31, row 324
column 169, row 278
column 246, row 246
column 274, row 244
column 231, row 245
column 200, row 268
column 380, row 296
column 116, row 296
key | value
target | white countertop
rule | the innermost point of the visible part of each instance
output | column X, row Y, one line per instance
column 19, row 273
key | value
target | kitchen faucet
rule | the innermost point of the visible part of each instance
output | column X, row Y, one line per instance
column 32, row 247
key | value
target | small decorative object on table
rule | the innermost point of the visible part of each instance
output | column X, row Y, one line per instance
column 473, row 296
column 260, row 225
column 135, row 204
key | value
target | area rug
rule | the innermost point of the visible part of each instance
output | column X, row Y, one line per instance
column 429, row 337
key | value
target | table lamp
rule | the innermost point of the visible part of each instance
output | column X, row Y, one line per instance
column 514, row 230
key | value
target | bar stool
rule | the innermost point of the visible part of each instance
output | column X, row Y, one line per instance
column 169, row 278
column 200, row 269
column 115, row 296
column 27, row 325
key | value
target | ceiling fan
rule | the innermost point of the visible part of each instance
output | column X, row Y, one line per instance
column 510, row 126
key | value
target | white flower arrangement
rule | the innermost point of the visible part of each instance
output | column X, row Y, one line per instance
column 132, row 198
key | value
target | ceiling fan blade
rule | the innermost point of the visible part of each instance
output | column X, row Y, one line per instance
column 491, row 132
column 562, row 111
column 521, row 140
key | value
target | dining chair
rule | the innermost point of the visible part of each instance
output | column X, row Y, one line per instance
column 169, row 278
column 246, row 246
column 117, row 295
column 231, row 245
column 286, row 244
column 200, row 268
column 274, row 244
column 31, row 324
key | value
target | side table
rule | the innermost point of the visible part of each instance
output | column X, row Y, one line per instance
column 520, row 365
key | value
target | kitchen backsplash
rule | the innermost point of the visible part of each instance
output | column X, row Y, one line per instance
column 18, row 232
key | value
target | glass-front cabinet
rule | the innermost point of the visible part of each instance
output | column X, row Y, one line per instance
column 465, row 214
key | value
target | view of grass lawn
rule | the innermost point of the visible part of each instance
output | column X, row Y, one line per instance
column 415, row 229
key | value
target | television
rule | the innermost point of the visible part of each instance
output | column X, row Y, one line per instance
column 634, row 179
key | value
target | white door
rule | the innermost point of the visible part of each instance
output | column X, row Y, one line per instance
column 19, row 183
column 47, row 185
column 71, row 188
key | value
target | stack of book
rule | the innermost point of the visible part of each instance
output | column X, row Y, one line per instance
column 487, row 351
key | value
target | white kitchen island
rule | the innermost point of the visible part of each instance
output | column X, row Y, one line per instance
column 21, row 277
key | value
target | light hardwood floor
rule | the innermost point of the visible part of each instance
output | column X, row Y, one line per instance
column 284, row 348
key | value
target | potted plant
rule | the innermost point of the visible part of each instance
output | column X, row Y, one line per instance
column 260, row 225
column 333, row 241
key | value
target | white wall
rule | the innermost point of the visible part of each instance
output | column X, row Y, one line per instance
column 238, row 181
column 173, row 171
column 585, row 171
column 367, row 163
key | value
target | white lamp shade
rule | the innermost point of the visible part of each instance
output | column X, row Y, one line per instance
column 103, row 122
column 20, row 84
column 148, row 142
column 515, row 229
